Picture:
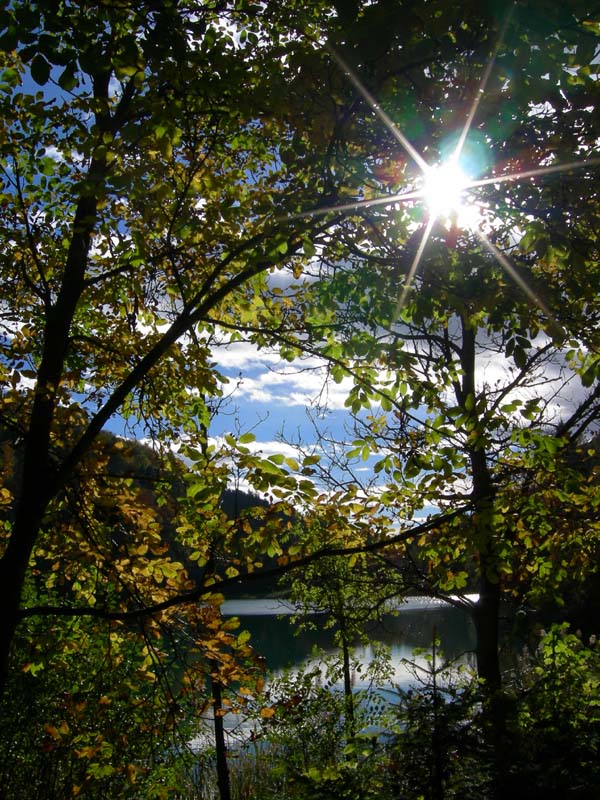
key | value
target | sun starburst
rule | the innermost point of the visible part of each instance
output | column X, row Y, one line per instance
column 446, row 190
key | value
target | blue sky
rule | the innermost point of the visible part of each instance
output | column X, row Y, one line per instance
column 277, row 400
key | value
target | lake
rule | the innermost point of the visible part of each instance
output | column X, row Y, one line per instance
column 414, row 625
column 417, row 621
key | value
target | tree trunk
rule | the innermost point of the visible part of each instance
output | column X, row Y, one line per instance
column 486, row 612
column 348, row 694
column 13, row 568
column 486, row 617
column 350, row 724
column 438, row 747
column 39, row 483
column 220, row 746
column 32, row 499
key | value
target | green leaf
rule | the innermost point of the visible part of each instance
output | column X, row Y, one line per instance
column 243, row 638
column 40, row 70
column 67, row 80
column 308, row 461
column 308, row 248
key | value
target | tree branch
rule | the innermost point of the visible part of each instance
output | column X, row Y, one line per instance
column 199, row 593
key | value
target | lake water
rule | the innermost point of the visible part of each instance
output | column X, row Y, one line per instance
column 414, row 625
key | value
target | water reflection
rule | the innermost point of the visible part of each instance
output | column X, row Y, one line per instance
column 415, row 625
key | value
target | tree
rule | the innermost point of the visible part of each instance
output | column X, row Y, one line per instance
column 159, row 161
column 149, row 155
column 144, row 177
column 346, row 593
column 145, row 200
column 474, row 349
column 141, row 190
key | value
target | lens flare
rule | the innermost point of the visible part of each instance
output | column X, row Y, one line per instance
column 449, row 194
column 444, row 190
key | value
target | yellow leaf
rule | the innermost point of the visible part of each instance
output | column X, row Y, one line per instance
column 5, row 496
column 267, row 713
column 52, row 731
column 85, row 752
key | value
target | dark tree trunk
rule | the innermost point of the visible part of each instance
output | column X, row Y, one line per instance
column 220, row 746
column 40, row 481
column 438, row 746
column 13, row 568
column 485, row 542
column 348, row 694
column 485, row 618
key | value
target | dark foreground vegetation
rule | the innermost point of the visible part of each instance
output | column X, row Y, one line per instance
column 185, row 176
column 96, row 730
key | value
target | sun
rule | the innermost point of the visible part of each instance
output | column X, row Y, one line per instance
column 448, row 193
column 445, row 194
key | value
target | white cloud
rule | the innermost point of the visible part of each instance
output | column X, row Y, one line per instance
column 243, row 355
column 265, row 378
column 55, row 154
column 303, row 387
column 264, row 448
